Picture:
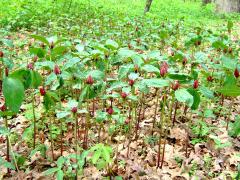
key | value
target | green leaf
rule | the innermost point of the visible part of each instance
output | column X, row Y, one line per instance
column 229, row 25
column 196, row 98
column 36, row 79
column 38, row 52
column 235, row 127
column 101, row 116
column 229, row 80
column 60, row 162
column 4, row 131
column 96, row 74
column 111, row 44
column 50, row 171
column 13, row 91
column 62, row 114
column 150, row 68
column 117, row 85
column 6, row 164
column 24, row 76
column 232, row 91
column 157, row 83
column 182, row 95
column 180, row 77
column 59, row 50
column 229, row 63
column 40, row 38
column 60, row 175
column 206, row 92
column 50, row 99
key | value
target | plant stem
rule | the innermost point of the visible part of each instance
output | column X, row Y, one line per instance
column 175, row 113
column 155, row 112
column 8, row 144
column 229, row 114
column 159, row 151
column 76, row 142
column 164, row 145
column 161, row 127
column 14, row 158
column 61, row 129
column 51, row 138
column 34, row 122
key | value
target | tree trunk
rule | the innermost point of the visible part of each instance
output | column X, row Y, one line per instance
column 148, row 5
column 204, row 2
column 227, row 6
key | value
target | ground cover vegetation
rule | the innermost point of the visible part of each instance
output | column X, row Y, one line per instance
column 97, row 89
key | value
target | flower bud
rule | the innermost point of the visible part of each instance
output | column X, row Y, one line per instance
column 195, row 84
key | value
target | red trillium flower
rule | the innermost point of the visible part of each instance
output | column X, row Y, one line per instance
column 6, row 72
column 52, row 45
column 165, row 64
column 163, row 71
column 74, row 110
column 110, row 111
column 131, row 82
column 195, row 84
column 184, row 61
column 1, row 54
column 124, row 95
column 35, row 58
column 236, row 73
column 209, row 78
column 176, row 85
column 89, row 80
column 57, row 70
column 30, row 66
column 127, row 120
column 3, row 108
column 42, row 91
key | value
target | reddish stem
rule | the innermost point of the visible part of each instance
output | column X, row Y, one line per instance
column 163, row 153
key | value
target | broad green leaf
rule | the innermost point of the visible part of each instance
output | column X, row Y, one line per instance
column 60, row 162
column 36, row 79
column 229, row 25
column 196, row 98
column 62, row 114
column 232, row 91
column 40, row 38
column 229, row 63
column 156, row 83
column 59, row 50
column 180, row 77
column 182, row 95
column 206, row 92
column 24, row 76
column 51, row 171
column 6, row 164
column 150, row 68
column 235, row 127
column 96, row 74
column 111, row 44
column 60, row 175
column 101, row 116
column 38, row 52
column 13, row 91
